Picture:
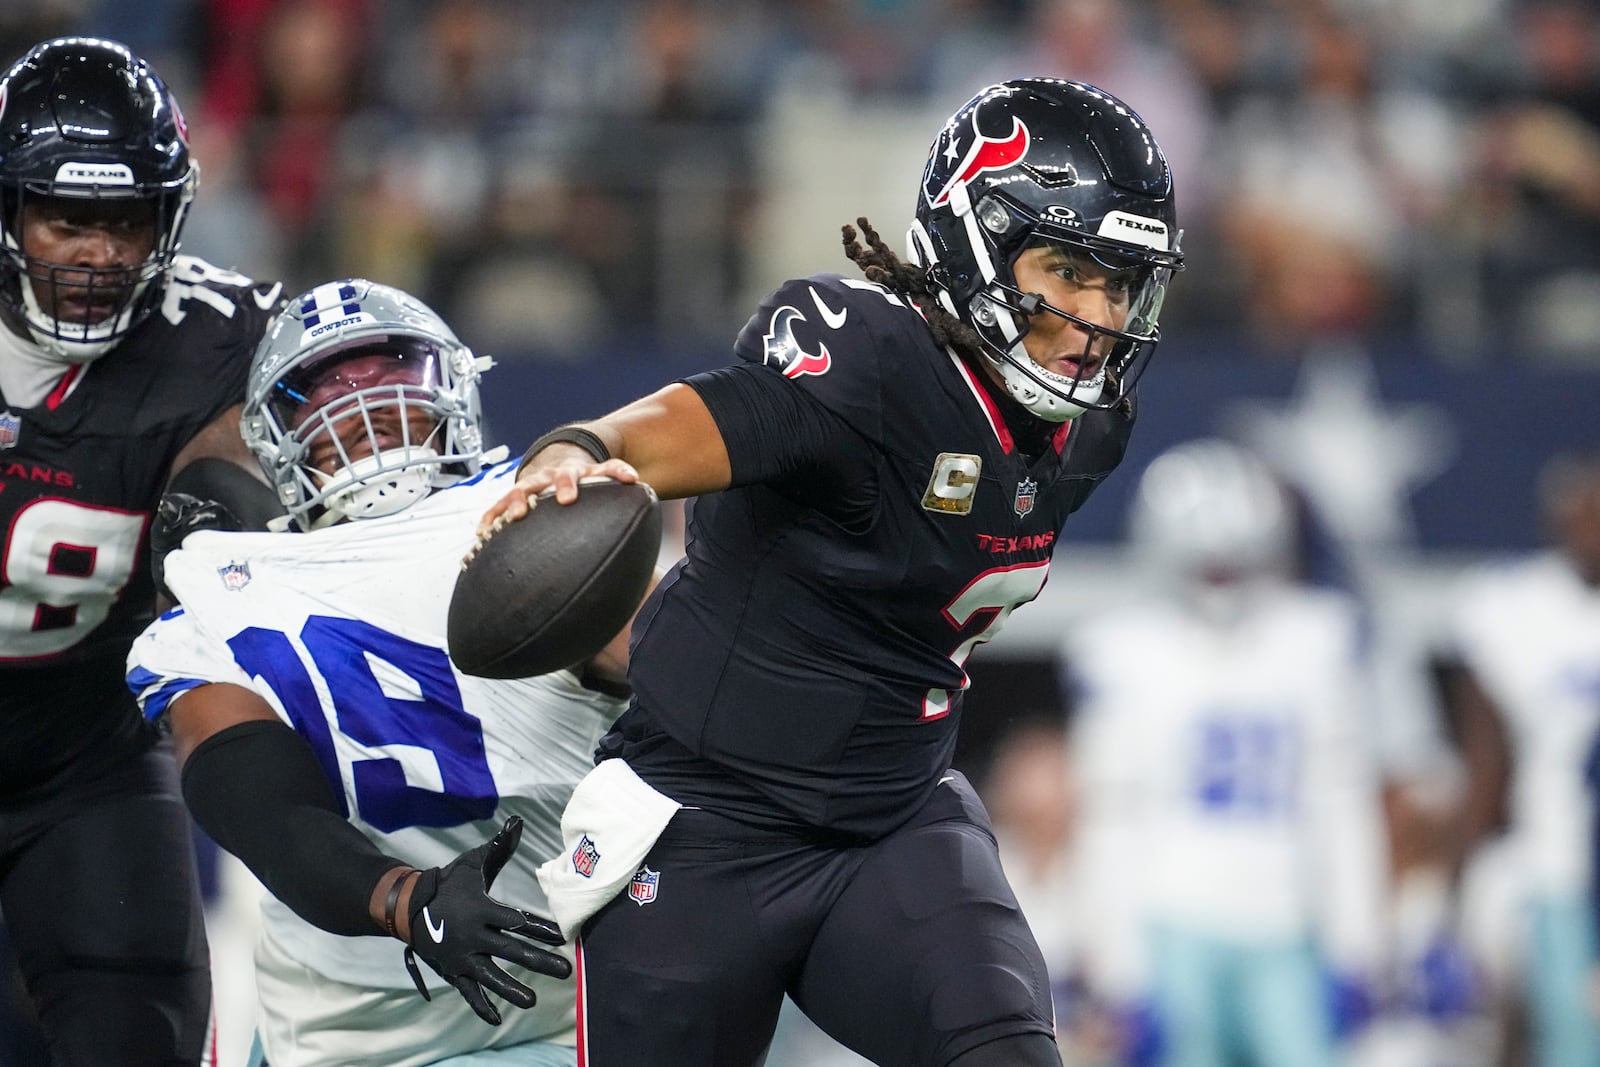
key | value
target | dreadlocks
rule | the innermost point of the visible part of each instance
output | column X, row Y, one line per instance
column 880, row 264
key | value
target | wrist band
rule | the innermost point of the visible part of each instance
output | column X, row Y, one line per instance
column 392, row 901
column 572, row 435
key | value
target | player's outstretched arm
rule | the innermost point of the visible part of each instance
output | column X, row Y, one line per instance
column 667, row 440
column 255, row 786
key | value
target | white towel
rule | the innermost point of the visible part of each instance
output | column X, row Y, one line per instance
column 607, row 829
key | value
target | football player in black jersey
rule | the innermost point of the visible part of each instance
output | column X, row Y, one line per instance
column 882, row 477
column 122, row 364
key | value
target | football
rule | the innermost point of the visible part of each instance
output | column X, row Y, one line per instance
column 553, row 588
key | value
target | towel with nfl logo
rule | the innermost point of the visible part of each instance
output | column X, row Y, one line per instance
column 607, row 829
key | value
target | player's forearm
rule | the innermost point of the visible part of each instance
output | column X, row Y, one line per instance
column 669, row 437
column 256, row 788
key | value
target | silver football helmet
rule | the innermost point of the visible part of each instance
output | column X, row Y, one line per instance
column 361, row 401
column 1209, row 511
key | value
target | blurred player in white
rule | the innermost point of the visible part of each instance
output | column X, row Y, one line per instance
column 1527, row 633
column 1231, row 827
column 326, row 738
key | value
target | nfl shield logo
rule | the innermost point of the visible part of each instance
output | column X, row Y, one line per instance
column 584, row 857
column 235, row 576
column 642, row 890
column 1026, row 489
column 10, row 428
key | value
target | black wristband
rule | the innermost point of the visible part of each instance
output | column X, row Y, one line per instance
column 392, row 901
column 574, row 435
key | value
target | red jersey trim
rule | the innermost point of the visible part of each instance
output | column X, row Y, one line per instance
column 64, row 387
column 991, row 410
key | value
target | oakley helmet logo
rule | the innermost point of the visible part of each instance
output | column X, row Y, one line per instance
column 986, row 153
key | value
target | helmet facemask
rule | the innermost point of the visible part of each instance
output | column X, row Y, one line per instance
column 114, row 300
column 1115, row 353
column 1115, row 349
column 389, row 393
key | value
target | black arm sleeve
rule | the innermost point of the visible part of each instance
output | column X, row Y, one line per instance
column 257, row 790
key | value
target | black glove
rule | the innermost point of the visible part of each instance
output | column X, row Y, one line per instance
column 459, row 930
column 177, row 516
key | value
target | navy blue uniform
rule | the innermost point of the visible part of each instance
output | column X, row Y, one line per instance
column 798, row 681
column 97, row 882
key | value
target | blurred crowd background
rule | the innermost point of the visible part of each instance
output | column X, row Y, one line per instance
column 1429, row 168
column 1391, row 214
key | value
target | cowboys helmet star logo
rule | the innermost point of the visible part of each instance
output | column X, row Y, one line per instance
column 783, row 351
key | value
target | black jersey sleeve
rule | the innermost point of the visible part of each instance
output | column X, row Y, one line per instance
column 824, row 338
column 783, row 437
column 772, row 430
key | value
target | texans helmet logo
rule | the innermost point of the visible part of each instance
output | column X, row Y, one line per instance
column 782, row 349
column 986, row 153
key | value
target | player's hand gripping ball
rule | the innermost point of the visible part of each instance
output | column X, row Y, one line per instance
column 553, row 588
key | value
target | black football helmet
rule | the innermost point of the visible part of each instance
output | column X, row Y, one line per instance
column 1042, row 160
column 85, row 118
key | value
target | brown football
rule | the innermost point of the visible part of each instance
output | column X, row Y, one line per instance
column 553, row 588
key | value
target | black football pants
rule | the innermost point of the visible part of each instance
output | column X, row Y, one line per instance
column 98, row 893
column 911, row 950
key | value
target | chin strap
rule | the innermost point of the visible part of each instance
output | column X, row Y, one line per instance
column 98, row 339
column 375, row 492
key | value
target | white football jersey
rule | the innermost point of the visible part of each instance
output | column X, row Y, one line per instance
column 342, row 630
column 1530, row 631
column 1226, row 785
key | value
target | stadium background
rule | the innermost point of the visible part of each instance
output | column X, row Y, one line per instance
column 1391, row 213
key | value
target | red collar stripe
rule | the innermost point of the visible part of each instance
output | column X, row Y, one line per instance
column 991, row 410
column 64, row 386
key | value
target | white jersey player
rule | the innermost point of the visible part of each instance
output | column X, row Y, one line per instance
column 1231, row 825
column 1528, row 632
column 328, row 741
